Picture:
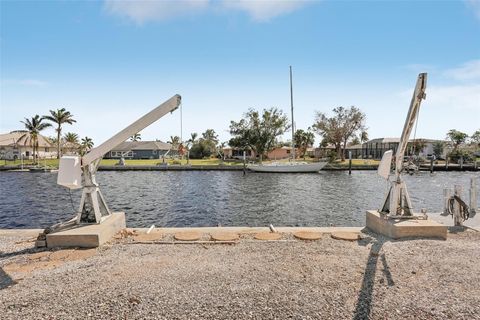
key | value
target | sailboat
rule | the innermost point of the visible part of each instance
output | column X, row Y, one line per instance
column 292, row 166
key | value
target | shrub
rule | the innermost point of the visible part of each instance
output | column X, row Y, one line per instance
column 331, row 156
column 457, row 154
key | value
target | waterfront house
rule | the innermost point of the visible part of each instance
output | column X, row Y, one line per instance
column 280, row 153
column 375, row 148
column 236, row 153
column 16, row 145
column 141, row 150
column 356, row 151
column 70, row 148
column 323, row 151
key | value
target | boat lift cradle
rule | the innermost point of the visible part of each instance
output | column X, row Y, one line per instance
column 79, row 172
column 397, row 203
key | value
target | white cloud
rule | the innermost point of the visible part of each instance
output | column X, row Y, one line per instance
column 475, row 6
column 461, row 91
column 468, row 71
column 25, row 82
column 456, row 97
column 264, row 10
column 141, row 11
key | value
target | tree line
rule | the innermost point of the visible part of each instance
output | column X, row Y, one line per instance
column 260, row 132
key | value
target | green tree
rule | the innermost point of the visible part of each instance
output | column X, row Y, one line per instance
column 475, row 138
column 30, row 137
column 258, row 132
column 200, row 149
column 71, row 137
column 189, row 143
column 53, row 140
column 210, row 139
column 355, row 141
column 339, row 129
column 193, row 138
column 438, row 147
column 303, row 140
column 457, row 138
column 363, row 136
column 59, row 117
column 136, row 137
column 175, row 142
column 85, row 145
column 416, row 146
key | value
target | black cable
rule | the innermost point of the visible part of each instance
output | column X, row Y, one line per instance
column 71, row 200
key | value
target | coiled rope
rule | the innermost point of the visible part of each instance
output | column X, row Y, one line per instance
column 464, row 209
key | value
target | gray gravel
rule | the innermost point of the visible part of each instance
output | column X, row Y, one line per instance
column 325, row 279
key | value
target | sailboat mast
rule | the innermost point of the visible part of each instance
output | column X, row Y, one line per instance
column 293, row 122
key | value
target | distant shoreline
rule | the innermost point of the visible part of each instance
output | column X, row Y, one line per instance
column 328, row 167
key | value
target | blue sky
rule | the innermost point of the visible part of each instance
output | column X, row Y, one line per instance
column 109, row 62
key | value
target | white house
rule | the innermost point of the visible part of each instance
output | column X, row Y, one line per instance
column 16, row 145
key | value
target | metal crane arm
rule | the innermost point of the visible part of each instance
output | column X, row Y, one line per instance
column 397, row 202
column 98, row 152
column 79, row 172
column 418, row 96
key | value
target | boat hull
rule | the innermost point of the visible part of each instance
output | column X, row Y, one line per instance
column 288, row 167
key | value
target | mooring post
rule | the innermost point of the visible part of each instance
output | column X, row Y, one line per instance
column 349, row 162
column 244, row 162
column 473, row 195
column 446, row 198
column 457, row 218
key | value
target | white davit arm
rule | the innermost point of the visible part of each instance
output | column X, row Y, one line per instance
column 98, row 152
column 418, row 96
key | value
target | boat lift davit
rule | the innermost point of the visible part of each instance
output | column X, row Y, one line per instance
column 77, row 172
column 397, row 203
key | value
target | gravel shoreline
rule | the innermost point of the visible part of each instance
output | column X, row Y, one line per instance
column 374, row 278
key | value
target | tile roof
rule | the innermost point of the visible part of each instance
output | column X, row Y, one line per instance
column 142, row 145
column 19, row 138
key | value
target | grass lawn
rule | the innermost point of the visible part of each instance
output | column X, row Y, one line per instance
column 152, row 162
column 110, row 162
column 357, row 162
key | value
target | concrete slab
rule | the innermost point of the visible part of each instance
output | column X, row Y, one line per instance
column 402, row 228
column 20, row 232
column 251, row 230
column 88, row 236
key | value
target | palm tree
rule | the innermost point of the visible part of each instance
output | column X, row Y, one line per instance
column 85, row 145
column 71, row 137
column 136, row 137
column 59, row 117
column 53, row 140
column 193, row 138
column 33, row 126
column 174, row 141
column 190, row 143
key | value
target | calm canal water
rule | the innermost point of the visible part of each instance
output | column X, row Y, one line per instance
column 212, row 198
